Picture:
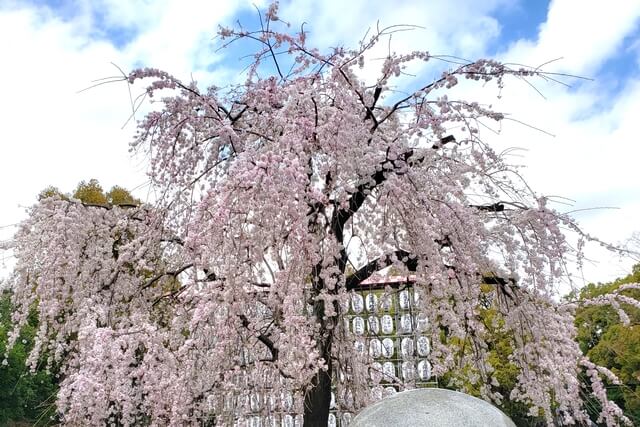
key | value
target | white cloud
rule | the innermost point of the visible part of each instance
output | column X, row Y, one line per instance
column 463, row 28
column 51, row 131
column 584, row 33
column 460, row 28
column 593, row 157
column 53, row 135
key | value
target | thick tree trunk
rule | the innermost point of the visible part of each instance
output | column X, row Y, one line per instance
column 318, row 400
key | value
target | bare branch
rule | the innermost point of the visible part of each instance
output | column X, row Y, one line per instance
column 173, row 274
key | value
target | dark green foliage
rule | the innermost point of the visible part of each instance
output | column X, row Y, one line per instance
column 24, row 396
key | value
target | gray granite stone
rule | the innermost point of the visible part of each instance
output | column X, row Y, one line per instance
column 431, row 407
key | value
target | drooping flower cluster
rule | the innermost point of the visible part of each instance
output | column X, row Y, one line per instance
column 280, row 197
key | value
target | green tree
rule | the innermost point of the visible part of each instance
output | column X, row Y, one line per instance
column 120, row 196
column 24, row 395
column 601, row 335
column 500, row 347
column 609, row 343
column 51, row 191
column 91, row 192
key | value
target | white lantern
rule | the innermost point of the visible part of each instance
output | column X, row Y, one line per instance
column 371, row 302
column 375, row 348
column 254, row 402
column 375, row 372
column 408, row 371
column 287, row 401
column 423, row 346
column 357, row 303
column 424, row 370
column 387, row 348
column 422, row 322
column 287, row 421
column 404, row 299
column 346, row 419
column 385, row 302
column 374, row 325
column 387, row 324
column 416, row 296
column 405, row 323
column 358, row 325
column 389, row 371
column 407, row 347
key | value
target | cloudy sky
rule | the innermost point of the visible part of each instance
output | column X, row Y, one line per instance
column 55, row 134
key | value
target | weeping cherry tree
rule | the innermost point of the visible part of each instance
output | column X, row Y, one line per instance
column 278, row 197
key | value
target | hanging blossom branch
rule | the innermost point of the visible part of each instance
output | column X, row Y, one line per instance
column 614, row 299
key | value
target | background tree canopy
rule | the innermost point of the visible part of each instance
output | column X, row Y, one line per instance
column 610, row 343
column 601, row 336
column 24, row 396
column 91, row 192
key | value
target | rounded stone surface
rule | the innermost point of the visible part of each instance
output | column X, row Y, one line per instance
column 431, row 407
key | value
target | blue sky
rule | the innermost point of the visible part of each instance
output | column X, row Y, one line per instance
column 521, row 20
column 54, row 135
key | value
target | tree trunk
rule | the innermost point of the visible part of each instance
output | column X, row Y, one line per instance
column 317, row 400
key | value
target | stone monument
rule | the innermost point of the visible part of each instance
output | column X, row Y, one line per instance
column 431, row 407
